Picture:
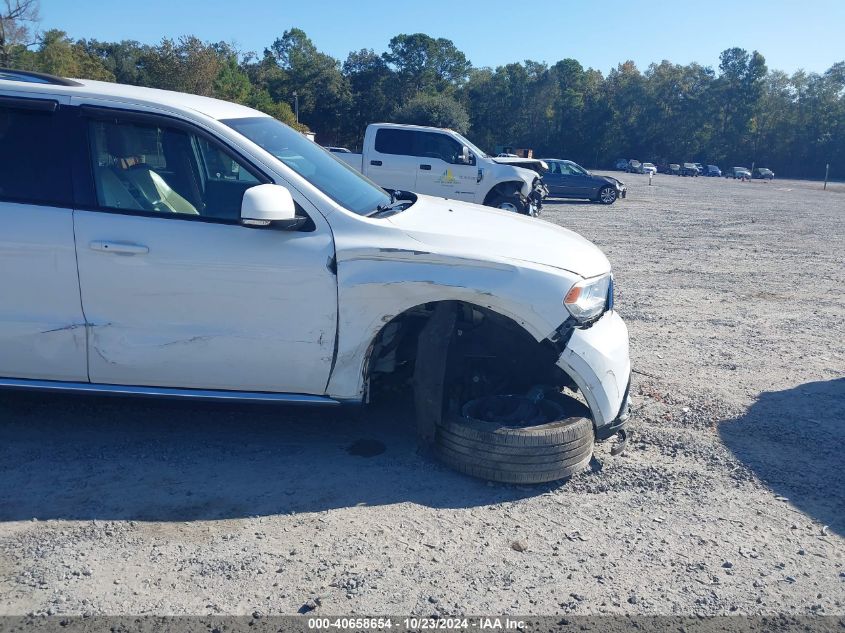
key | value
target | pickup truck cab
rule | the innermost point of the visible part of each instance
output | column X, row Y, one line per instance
column 441, row 162
column 164, row 244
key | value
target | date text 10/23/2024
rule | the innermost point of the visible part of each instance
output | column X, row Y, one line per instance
column 416, row 624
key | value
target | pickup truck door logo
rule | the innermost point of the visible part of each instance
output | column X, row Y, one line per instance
column 447, row 178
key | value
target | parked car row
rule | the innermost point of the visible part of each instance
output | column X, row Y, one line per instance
column 743, row 173
column 693, row 169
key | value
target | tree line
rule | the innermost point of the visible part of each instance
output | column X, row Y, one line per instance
column 736, row 114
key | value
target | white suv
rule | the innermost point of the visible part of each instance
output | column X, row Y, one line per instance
column 167, row 244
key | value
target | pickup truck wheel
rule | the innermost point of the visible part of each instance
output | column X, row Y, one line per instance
column 556, row 443
column 512, row 202
column 607, row 195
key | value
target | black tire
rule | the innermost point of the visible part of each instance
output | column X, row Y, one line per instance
column 607, row 195
column 512, row 202
column 522, row 455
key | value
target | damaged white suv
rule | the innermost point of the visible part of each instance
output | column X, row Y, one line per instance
column 167, row 244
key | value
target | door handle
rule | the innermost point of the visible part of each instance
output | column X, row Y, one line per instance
column 121, row 248
column 425, row 167
column 376, row 163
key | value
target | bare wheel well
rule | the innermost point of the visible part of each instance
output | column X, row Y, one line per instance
column 482, row 353
column 503, row 189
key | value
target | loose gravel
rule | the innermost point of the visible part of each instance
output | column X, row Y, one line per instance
column 729, row 498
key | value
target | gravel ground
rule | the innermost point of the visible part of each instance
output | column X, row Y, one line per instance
column 729, row 498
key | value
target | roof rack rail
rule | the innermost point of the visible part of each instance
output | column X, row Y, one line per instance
column 34, row 77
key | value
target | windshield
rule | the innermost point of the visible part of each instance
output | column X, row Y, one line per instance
column 576, row 167
column 473, row 148
column 330, row 175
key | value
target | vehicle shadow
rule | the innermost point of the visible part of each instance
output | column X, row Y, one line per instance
column 567, row 201
column 793, row 441
column 88, row 457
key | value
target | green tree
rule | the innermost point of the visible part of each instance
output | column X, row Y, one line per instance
column 371, row 97
column 322, row 90
column 58, row 55
column 121, row 59
column 185, row 65
column 434, row 109
column 739, row 88
column 425, row 64
column 17, row 19
column 232, row 82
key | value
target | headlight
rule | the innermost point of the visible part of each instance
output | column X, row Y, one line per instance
column 588, row 299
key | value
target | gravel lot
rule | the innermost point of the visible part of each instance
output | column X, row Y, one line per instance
column 729, row 499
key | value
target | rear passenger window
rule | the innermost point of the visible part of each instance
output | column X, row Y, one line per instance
column 35, row 165
column 394, row 141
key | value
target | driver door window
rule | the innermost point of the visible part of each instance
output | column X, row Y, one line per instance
column 438, row 146
column 450, row 180
column 158, row 169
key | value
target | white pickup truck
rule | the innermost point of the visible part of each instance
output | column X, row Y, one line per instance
column 441, row 162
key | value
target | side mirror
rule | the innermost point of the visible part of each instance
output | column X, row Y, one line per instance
column 270, row 206
column 465, row 157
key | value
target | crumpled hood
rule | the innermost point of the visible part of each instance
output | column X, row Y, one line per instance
column 534, row 164
column 611, row 180
column 471, row 230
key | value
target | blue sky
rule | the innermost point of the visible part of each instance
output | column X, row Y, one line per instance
column 791, row 35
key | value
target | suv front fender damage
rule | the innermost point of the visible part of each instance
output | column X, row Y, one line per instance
column 456, row 363
column 493, row 331
column 597, row 359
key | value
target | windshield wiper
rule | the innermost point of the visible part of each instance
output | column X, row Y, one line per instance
column 396, row 204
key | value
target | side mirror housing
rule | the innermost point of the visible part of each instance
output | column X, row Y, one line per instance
column 465, row 158
column 270, row 206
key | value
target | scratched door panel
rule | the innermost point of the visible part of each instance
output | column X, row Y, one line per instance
column 207, row 305
column 42, row 330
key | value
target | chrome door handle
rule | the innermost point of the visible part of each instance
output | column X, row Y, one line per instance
column 121, row 248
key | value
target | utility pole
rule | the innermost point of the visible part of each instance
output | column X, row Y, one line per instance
column 296, row 105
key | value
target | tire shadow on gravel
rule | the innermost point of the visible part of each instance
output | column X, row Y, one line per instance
column 84, row 457
column 793, row 440
column 568, row 202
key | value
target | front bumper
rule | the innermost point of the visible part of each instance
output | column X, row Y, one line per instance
column 538, row 193
column 598, row 361
column 621, row 189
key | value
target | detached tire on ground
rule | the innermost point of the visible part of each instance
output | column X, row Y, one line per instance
column 556, row 443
